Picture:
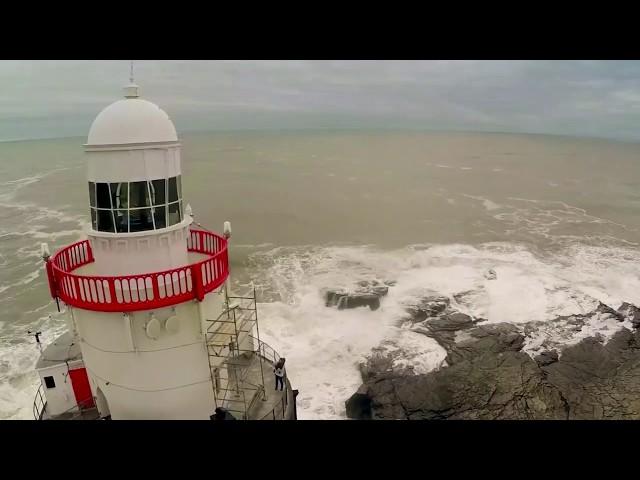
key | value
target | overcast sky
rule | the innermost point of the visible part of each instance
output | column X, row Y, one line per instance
column 40, row 99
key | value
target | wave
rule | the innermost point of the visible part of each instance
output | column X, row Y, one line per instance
column 27, row 279
column 324, row 346
column 18, row 379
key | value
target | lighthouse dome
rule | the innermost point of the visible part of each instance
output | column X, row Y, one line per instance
column 131, row 120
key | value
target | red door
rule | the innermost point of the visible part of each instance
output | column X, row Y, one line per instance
column 81, row 388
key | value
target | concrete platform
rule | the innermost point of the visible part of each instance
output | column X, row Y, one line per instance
column 270, row 405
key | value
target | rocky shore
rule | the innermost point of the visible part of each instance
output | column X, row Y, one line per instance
column 566, row 368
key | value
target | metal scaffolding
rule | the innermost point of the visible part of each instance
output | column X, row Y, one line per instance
column 235, row 360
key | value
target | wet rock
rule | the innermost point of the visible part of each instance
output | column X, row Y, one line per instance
column 373, row 287
column 332, row 297
column 489, row 387
column 365, row 294
column 486, row 339
column 386, row 361
column 359, row 404
column 532, row 327
column 605, row 309
column 354, row 301
column 444, row 328
column 546, row 357
column 630, row 312
column 428, row 307
column 490, row 274
column 600, row 381
column 375, row 366
column 488, row 376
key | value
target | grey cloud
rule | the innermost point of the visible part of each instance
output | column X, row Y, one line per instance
column 583, row 98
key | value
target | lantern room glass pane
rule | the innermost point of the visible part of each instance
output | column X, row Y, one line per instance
column 122, row 221
column 138, row 195
column 140, row 220
column 92, row 194
column 105, row 221
column 160, row 216
column 159, row 192
column 119, row 195
column 175, row 213
column 103, row 196
column 94, row 219
column 174, row 186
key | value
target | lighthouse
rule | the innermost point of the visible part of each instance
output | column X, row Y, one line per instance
column 154, row 331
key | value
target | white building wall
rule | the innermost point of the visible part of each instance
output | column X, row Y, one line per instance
column 145, row 378
column 61, row 398
column 140, row 252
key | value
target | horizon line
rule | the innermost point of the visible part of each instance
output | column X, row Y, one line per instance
column 351, row 129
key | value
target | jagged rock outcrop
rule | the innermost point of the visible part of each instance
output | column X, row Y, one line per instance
column 488, row 376
column 365, row 294
column 428, row 307
column 359, row 404
column 600, row 381
column 630, row 312
column 546, row 358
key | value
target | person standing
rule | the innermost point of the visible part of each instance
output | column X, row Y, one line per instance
column 279, row 373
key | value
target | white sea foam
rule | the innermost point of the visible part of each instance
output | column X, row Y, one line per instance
column 323, row 346
column 15, row 185
column 27, row 279
column 420, row 353
column 488, row 204
column 18, row 379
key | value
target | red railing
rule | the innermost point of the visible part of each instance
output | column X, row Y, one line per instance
column 145, row 291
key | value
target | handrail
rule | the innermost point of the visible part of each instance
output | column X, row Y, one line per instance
column 125, row 293
column 279, row 409
column 39, row 403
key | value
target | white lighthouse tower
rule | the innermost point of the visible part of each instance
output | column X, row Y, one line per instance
column 154, row 331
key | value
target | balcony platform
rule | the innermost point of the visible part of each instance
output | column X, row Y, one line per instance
column 273, row 405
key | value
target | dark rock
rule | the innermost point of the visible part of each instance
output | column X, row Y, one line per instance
column 359, row 404
column 381, row 291
column 451, row 322
column 532, row 327
column 372, row 287
column 630, row 312
column 490, row 274
column 546, row 358
column 488, row 376
column 486, row 339
column 428, row 307
column 510, row 386
column 332, row 297
column 605, row 309
column 367, row 293
column 376, row 365
column 600, row 381
column 359, row 300
column 444, row 328
column 386, row 361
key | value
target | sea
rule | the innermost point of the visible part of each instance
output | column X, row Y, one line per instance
column 557, row 219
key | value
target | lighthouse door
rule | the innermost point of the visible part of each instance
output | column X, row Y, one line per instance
column 81, row 388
